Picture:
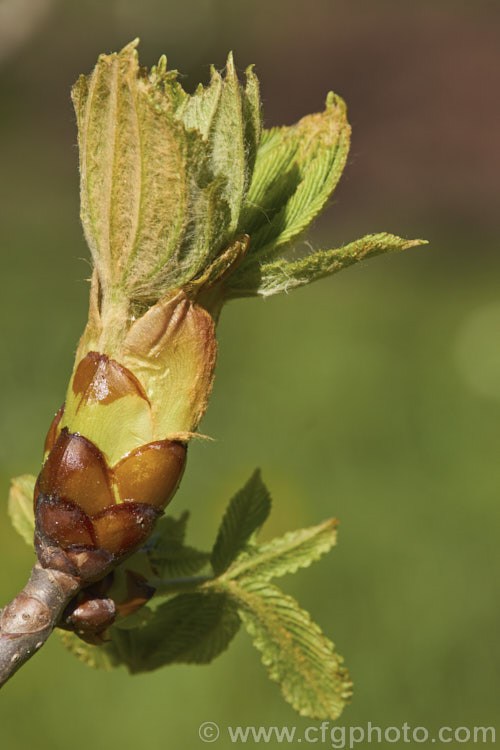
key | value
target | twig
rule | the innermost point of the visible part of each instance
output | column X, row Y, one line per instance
column 27, row 622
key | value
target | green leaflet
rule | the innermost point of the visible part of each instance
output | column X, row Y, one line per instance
column 282, row 276
column 20, row 507
column 187, row 629
column 294, row 550
column 197, row 112
column 245, row 514
column 296, row 171
column 296, row 653
column 179, row 561
column 228, row 119
column 252, row 121
column 167, row 554
column 133, row 168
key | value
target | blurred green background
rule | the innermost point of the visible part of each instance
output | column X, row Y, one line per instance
column 373, row 396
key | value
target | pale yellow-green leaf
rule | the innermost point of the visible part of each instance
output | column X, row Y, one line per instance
column 282, row 276
column 198, row 111
column 227, row 143
column 228, row 118
column 205, row 233
column 298, row 656
column 133, row 173
column 252, row 118
column 138, row 170
column 274, row 179
column 286, row 554
column 296, row 171
column 20, row 506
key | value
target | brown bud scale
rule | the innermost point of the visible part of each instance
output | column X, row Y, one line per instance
column 90, row 516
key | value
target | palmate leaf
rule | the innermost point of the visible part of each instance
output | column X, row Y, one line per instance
column 296, row 653
column 245, row 514
column 197, row 624
column 294, row 550
column 20, row 506
column 282, row 276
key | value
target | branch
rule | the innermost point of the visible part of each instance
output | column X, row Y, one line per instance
column 27, row 622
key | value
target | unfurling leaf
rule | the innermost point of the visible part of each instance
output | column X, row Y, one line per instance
column 163, row 175
column 170, row 181
column 133, row 160
column 228, row 118
column 282, row 275
column 20, row 506
column 296, row 171
column 296, row 653
column 286, row 554
column 245, row 514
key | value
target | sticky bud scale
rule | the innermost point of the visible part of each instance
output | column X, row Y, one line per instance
column 91, row 513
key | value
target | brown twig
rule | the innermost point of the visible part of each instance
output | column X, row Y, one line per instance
column 27, row 622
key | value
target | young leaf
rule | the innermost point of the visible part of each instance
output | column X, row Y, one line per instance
column 296, row 653
column 163, row 175
column 20, row 507
column 246, row 513
column 294, row 550
column 283, row 276
column 252, row 118
column 296, row 171
column 197, row 111
column 189, row 629
column 228, row 119
column 227, row 143
column 129, row 150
